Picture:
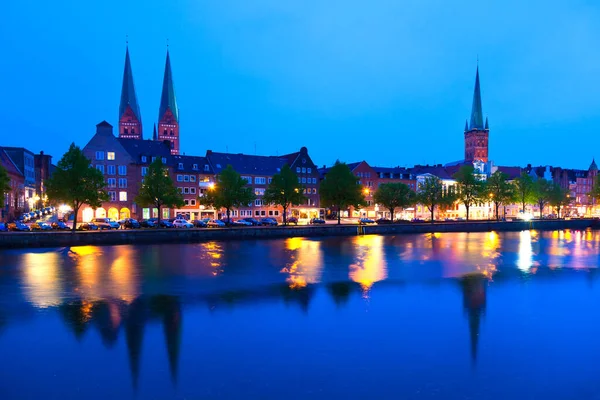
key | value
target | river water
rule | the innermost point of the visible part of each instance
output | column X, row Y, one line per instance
column 437, row 316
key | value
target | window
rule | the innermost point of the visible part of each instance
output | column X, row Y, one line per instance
column 304, row 161
column 263, row 213
column 303, row 170
column 111, row 170
column 144, row 171
column 171, row 133
column 186, row 178
column 144, row 160
column 260, row 180
column 218, row 166
column 247, row 179
column 164, row 160
column 186, row 190
column 122, row 169
column 315, row 180
column 257, row 213
column 180, row 166
column 110, row 155
column 193, row 202
column 193, row 190
column 99, row 155
column 245, row 213
column 303, row 180
column 165, row 212
column 112, row 196
column 122, row 196
column 314, row 190
column 165, row 132
column 133, row 131
column 259, row 192
column 309, row 170
column 270, row 180
column 153, row 159
column 180, row 190
column 297, row 170
column 192, row 178
column 276, row 212
column 111, row 182
column 125, row 131
column 179, row 178
column 258, row 202
column 186, row 202
column 207, row 168
column 100, row 168
column 122, row 182
column 195, row 166
column 270, row 213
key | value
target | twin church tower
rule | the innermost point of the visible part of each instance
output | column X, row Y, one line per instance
column 130, row 118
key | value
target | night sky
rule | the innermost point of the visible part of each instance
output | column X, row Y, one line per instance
column 387, row 81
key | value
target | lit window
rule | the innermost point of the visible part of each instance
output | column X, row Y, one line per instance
column 122, row 196
column 259, row 192
column 110, row 155
column 314, row 190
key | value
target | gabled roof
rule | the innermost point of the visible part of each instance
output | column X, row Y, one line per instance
column 246, row 164
column 8, row 163
column 128, row 96
column 511, row 172
column 188, row 163
column 167, row 98
column 138, row 148
column 593, row 166
column 435, row 170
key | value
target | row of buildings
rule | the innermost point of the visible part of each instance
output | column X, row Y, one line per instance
column 124, row 157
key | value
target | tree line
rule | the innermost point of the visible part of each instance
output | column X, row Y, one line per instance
column 76, row 182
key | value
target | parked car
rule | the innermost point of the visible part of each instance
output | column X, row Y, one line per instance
column 383, row 221
column 18, row 226
column 60, row 226
column 48, row 210
column 40, row 226
column 292, row 220
column 146, row 223
column 316, row 221
column 24, row 218
column 241, row 222
column 366, row 221
column 253, row 221
column 3, row 227
column 461, row 219
column 38, row 213
column 268, row 221
column 182, row 223
column 164, row 223
column 32, row 215
column 215, row 223
column 129, row 223
column 199, row 223
column 417, row 220
column 106, row 223
column 87, row 226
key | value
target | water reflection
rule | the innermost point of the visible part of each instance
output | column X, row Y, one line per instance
column 118, row 295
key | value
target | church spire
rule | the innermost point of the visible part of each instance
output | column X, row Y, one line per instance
column 167, row 99
column 154, row 135
column 130, row 118
column 476, row 111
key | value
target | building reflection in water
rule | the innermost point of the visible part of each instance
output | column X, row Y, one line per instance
column 525, row 256
column 474, row 291
column 305, row 263
column 369, row 264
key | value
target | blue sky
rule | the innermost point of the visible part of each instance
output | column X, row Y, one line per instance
column 386, row 81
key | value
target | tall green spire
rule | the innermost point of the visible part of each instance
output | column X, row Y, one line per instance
column 128, row 96
column 154, row 135
column 476, row 112
column 167, row 99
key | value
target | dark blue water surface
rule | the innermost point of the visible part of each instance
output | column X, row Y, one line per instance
column 440, row 316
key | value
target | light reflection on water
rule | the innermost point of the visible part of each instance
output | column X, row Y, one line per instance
column 249, row 292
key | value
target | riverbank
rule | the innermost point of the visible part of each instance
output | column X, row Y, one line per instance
column 14, row 240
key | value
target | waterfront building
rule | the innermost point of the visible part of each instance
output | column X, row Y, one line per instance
column 193, row 177
column 14, row 199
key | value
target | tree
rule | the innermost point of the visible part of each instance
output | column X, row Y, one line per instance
column 499, row 190
column 523, row 190
column 230, row 191
column 542, row 190
column 559, row 198
column 4, row 185
column 75, row 182
column 595, row 192
column 340, row 189
column 157, row 189
column 431, row 194
column 469, row 185
column 284, row 190
column 394, row 195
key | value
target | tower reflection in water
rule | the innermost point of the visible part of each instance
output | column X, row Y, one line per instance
column 122, row 289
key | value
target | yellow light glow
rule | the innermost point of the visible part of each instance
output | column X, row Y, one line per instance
column 42, row 279
column 370, row 265
column 525, row 259
column 306, row 265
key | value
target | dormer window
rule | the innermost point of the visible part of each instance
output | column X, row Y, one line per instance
column 195, row 166
column 207, row 168
column 143, row 158
column 180, row 166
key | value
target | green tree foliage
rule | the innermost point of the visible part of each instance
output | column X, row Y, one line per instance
column 431, row 194
column 394, row 195
column 158, row 189
column 340, row 189
column 595, row 192
column 4, row 185
column 75, row 182
column 559, row 198
column 470, row 188
column 542, row 190
column 231, row 191
column 499, row 191
column 524, row 190
column 285, row 191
